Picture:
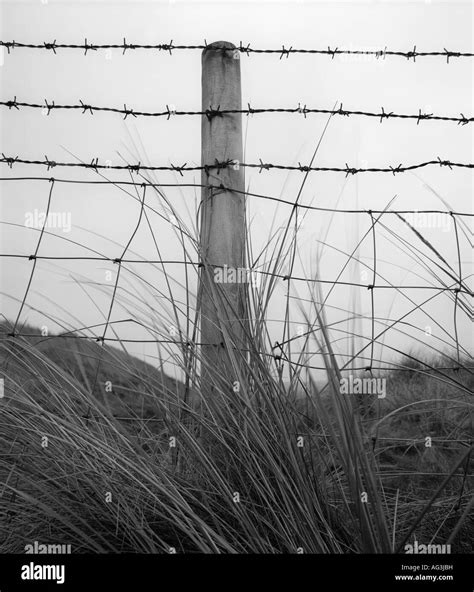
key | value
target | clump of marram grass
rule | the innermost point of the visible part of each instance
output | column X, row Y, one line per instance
column 240, row 482
column 74, row 468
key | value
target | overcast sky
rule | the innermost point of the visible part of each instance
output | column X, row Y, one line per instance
column 103, row 218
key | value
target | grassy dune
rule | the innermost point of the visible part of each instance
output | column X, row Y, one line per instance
column 73, row 470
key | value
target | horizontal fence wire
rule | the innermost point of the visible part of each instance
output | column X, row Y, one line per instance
column 299, row 205
column 170, row 111
column 218, row 165
column 189, row 345
column 242, row 48
column 284, row 277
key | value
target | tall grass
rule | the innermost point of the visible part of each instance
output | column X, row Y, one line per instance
column 281, row 464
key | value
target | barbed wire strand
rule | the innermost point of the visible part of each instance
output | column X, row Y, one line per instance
column 242, row 48
column 87, row 108
column 218, row 165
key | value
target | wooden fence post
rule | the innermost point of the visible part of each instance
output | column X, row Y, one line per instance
column 222, row 242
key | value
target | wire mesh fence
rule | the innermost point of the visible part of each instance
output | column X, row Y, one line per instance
column 451, row 281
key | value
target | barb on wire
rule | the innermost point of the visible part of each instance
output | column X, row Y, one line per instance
column 127, row 46
column 87, row 47
column 8, row 160
column 451, row 54
column 412, row 54
column 85, row 108
column 49, row 106
column 51, row 46
column 424, row 116
column 51, row 163
column 249, row 111
column 179, row 169
column 384, row 115
column 218, row 112
column 285, row 52
column 303, row 110
column 211, row 113
column 128, row 112
column 13, row 103
column 168, row 47
column 245, row 49
column 350, row 170
column 340, row 111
